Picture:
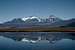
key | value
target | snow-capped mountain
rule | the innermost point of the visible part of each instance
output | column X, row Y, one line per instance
column 35, row 19
column 32, row 21
column 51, row 21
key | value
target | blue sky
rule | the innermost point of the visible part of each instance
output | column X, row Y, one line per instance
column 10, row 9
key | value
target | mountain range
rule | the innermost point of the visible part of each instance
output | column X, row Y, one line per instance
column 32, row 21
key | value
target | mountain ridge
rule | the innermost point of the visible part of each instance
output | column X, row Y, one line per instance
column 51, row 21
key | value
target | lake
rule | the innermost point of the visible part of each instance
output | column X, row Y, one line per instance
column 37, row 40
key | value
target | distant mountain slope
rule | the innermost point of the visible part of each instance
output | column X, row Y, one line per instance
column 71, row 24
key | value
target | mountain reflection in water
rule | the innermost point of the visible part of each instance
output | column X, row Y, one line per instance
column 37, row 40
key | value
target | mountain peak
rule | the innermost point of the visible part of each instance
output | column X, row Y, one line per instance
column 52, row 16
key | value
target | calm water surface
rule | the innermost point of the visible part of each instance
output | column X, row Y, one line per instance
column 37, row 41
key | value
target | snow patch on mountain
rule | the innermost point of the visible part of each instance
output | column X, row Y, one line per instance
column 31, row 17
